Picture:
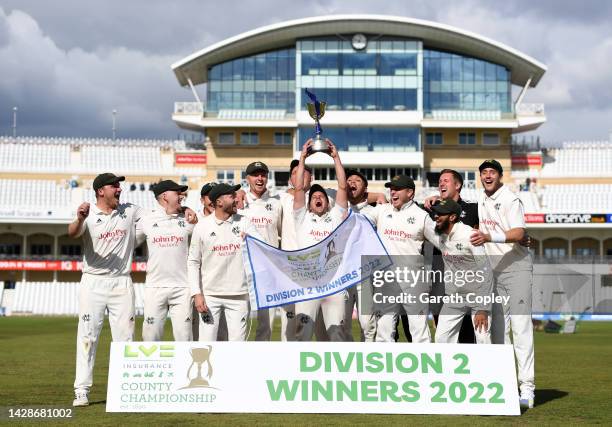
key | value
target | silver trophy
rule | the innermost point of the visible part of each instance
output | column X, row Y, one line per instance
column 316, row 109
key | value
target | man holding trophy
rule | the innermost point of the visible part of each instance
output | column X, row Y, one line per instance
column 314, row 221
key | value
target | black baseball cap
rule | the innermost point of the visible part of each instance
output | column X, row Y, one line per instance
column 351, row 172
column 206, row 188
column 401, row 182
column 294, row 164
column 317, row 188
column 168, row 185
column 221, row 190
column 256, row 167
column 493, row 164
column 106, row 179
column 446, row 207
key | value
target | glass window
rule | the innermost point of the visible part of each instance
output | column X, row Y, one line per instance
column 249, row 138
column 282, row 138
column 467, row 138
column 433, row 138
column 490, row 139
column 226, row 138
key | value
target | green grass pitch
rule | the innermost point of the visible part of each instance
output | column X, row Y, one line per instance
column 573, row 380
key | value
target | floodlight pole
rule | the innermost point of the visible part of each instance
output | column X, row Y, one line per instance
column 114, row 124
column 14, row 122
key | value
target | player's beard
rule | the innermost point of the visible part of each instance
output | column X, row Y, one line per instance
column 443, row 226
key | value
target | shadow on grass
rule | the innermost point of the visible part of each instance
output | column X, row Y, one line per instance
column 546, row 395
column 99, row 402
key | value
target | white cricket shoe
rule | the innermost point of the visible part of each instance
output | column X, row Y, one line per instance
column 80, row 399
column 526, row 400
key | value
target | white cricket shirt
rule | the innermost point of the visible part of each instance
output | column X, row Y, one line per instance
column 401, row 231
column 167, row 238
column 109, row 240
column 265, row 214
column 501, row 212
column 214, row 264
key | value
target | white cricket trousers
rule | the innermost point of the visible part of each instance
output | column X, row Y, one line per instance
column 160, row 303
column 265, row 321
column 449, row 325
column 236, row 309
column 367, row 322
column 96, row 295
column 516, row 317
column 332, row 308
column 419, row 328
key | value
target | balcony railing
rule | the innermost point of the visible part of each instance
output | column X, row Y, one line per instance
column 189, row 108
column 530, row 110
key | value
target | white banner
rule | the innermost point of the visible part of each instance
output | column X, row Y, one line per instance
column 278, row 277
column 276, row 377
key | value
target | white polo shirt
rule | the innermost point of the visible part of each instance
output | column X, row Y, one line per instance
column 459, row 257
column 501, row 212
column 288, row 233
column 311, row 228
column 265, row 214
column 214, row 265
column 167, row 238
column 401, row 231
column 109, row 240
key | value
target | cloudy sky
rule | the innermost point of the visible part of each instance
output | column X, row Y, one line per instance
column 68, row 63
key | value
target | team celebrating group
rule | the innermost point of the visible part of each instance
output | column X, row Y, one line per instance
column 195, row 271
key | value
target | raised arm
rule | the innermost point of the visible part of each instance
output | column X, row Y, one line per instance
column 299, row 196
column 76, row 228
column 341, row 196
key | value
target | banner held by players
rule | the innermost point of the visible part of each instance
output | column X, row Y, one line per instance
column 279, row 277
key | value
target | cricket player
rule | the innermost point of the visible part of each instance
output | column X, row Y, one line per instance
column 108, row 230
column 314, row 220
column 289, row 242
column 471, row 275
column 502, row 227
column 265, row 213
column 357, row 191
column 401, row 226
column 167, row 292
column 207, row 208
column 215, row 268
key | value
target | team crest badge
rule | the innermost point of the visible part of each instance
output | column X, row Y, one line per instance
column 181, row 223
column 236, row 230
column 411, row 220
column 268, row 206
column 497, row 206
column 459, row 246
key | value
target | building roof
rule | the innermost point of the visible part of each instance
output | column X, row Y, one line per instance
column 434, row 36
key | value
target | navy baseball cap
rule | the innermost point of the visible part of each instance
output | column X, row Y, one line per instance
column 168, row 185
column 493, row 164
column 206, row 188
column 221, row 190
column 106, row 179
column 294, row 164
column 401, row 181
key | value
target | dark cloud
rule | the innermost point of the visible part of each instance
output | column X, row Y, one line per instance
column 67, row 64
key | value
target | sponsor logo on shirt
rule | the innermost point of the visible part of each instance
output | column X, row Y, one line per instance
column 318, row 234
column 228, row 249
column 489, row 222
column 261, row 221
column 167, row 241
column 117, row 234
column 391, row 233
